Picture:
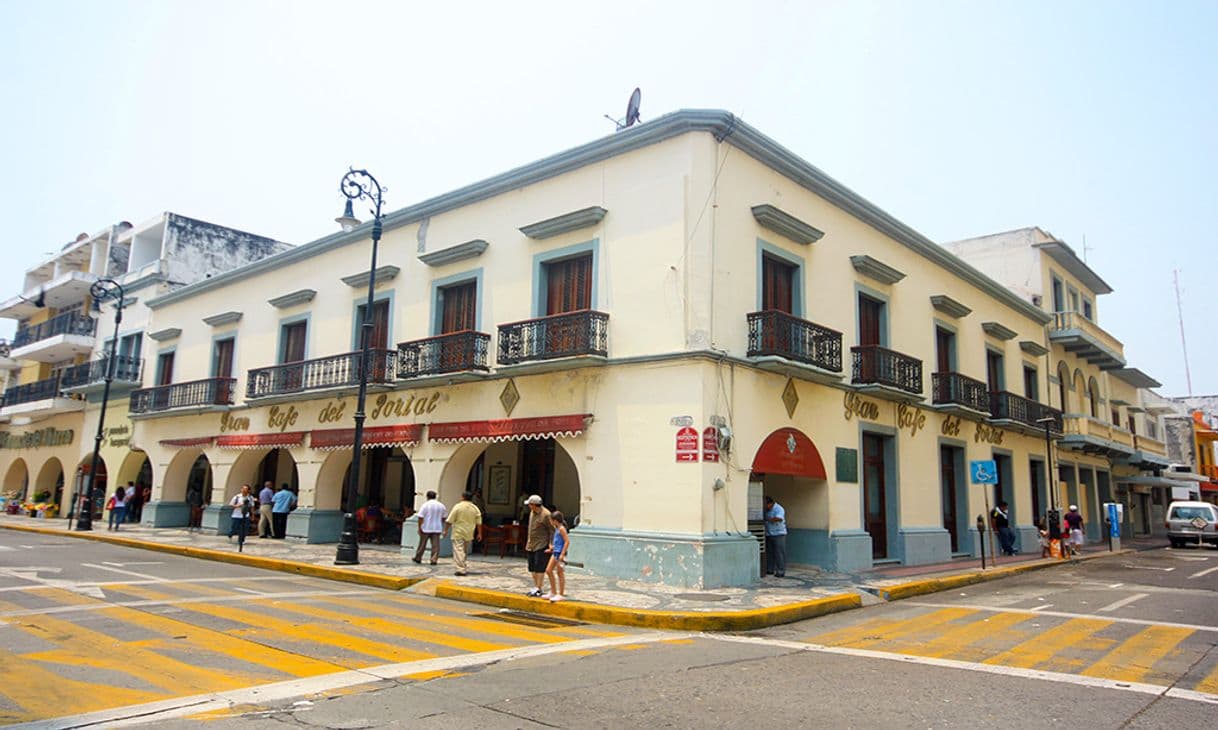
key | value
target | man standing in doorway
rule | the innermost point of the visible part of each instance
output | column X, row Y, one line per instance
column 1001, row 522
column 282, row 503
column 541, row 532
column 431, row 526
column 775, row 538
column 265, row 498
column 466, row 522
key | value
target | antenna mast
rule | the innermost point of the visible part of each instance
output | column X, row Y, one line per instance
column 1188, row 378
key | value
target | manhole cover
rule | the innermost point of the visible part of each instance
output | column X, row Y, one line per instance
column 525, row 618
column 701, row 597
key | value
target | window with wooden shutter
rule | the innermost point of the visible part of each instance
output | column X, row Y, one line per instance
column 380, row 325
column 569, row 285
column 777, row 285
column 460, row 307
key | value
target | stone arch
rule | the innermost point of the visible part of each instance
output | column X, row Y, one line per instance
column 1093, row 391
column 17, row 478
column 1063, row 387
column 791, row 469
column 50, row 480
column 177, row 474
column 243, row 471
column 394, row 468
column 328, row 494
column 1080, row 390
column 461, row 470
column 133, row 469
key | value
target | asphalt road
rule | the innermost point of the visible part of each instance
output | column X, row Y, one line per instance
column 1126, row 641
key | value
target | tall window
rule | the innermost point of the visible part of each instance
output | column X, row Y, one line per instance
column 222, row 358
column 292, row 341
column 130, row 346
column 459, row 307
column 945, row 350
column 1059, row 302
column 1031, row 388
column 1087, row 308
column 164, row 368
column 569, row 285
column 993, row 370
column 1063, row 388
column 1093, row 390
column 380, row 325
column 777, row 285
column 871, row 317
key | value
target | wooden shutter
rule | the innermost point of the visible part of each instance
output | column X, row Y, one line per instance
column 294, row 342
column 460, row 308
column 224, row 359
column 777, row 278
column 569, row 285
column 869, row 321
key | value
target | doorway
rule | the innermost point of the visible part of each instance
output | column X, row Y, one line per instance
column 951, row 475
column 875, row 497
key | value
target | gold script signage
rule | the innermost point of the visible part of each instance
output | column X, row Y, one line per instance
column 117, row 435
column 386, row 407
column 279, row 418
column 951, row 426
column 857, row 406
column 332, row 412
column 229, row 422
column 909, row 417
column 988, row 434
column 36, row 439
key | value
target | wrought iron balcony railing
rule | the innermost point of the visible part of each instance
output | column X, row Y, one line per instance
column 32, row 392
column 126, row 370
column 454, row 352
column 585, row 332
column 1006, row 406
column 961, row 390
column 68, row 323
column 196, row 393
column 324, row 372
column 777, row 333
column 875, row 365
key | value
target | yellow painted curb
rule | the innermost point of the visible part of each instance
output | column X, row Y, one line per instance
column 755, row 618
column 375, row 580
column 948, row 582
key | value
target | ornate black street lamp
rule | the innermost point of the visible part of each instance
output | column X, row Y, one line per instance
column 101, row 290
column 1053, row 518
column 357, row 185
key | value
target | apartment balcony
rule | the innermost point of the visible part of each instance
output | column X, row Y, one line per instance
column 556, row 341
column 959, row 394
column 59, row 338
column 323, row 373
column 1021, row 414
column 1092, row 435
column 70, row 287
column 452, row 353
column 1088, row 340
column 89, row 377
column 887, row 373
column 42, row 397
column 1148, row 453
column 202, row 394
column 7, row 362
column 784, row 343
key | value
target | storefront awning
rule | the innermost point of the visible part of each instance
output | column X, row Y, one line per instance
column 1149, row 481
column 196, row 441
column 1209, row 486
column 332, row 439
column 788, row 451
column 508, row 429
column 260, row 440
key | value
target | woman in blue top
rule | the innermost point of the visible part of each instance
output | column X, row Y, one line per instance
column 118, row 508
column 558, row 557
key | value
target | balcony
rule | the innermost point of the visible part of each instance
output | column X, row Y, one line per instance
column 956, row 393
column 571, row 334
column 1092, row 435
column 1021, row 414
column 43, row 397
column 6, row 356
column 91, row 376
column 59, row 338
column 194, row 394
column 1086, row 339
column 70, row 287
column 336, row 371
column 455, row 352
column 784, row 343
column 887, row 372
column 1150, row 445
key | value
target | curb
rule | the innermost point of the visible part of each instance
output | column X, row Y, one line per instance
column 756, row 618
column 948, row 582
column 374, row 580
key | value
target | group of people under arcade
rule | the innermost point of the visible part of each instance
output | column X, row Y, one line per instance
column 272, row 507
column 127, row 504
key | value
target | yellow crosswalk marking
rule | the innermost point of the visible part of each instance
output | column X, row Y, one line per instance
column 961, row 643
column 399, row 599
column 1045, row 646
column 511, row 631
column 877, row 631
column 42, row 693
column 1133, row 660
column 1209, row 683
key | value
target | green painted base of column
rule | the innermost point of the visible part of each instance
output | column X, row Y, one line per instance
column 924, row 545
column 851, row 551
column 1027, row 539
column 166, row 514
column 216, row 519
column 315, row 525
column 410, row 540
column 686, row 561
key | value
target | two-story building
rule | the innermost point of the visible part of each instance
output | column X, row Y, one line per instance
column 61, row 350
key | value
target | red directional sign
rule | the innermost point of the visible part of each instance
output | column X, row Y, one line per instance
column 710, row 444
column 687, row 444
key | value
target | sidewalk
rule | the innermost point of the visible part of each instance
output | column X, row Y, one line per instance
column 804, row 592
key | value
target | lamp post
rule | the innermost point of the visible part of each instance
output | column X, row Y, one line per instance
column 1053, row 516
column 101, row 290
column 357, row 185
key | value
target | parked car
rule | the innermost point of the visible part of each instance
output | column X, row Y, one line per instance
column 1192, row 523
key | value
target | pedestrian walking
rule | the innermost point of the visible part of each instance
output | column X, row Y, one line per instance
column 431, row 527
column 118, row 508
column 135, row 498
column 1074, row 522
column 775, row 538
column 556, row 568
column 243, row 506
column 466, row 523
column 538, row 542
column 194, row 499
column 1000, row 519
column 282, row 505
column 266, row 499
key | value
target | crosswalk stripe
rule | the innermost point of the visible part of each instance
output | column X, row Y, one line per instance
column 960, row 643
column 40, row 692
column 511, row 631
column 874, row 632
column 1133, row 659
column 1209, row 683
column 1037, row 651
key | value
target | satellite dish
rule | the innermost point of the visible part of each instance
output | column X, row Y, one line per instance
column 632, row 108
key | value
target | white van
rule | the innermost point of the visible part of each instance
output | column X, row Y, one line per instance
column 1192, row 523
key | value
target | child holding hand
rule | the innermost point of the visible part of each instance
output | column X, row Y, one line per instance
column 558, row 558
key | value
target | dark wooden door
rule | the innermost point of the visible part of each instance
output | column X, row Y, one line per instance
column 870, row 314
column 875, row 509
column 293, row 352
column 568, row 289
column 944, row 343
column 377, row 368
column 164, row 368
column 777, row 284
column 537, row 469
column 460, row 308
column 993, row 370
column 223, row 367
column 947, row 472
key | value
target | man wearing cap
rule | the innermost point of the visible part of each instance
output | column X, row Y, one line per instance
column 541, row 532
column 1075, row 522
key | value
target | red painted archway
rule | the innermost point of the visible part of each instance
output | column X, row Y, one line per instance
column 789, row 451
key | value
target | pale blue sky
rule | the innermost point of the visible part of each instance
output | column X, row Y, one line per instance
column 1091, row 119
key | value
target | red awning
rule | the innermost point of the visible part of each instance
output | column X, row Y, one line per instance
column 508, row 429
column 407, row 434
column 260, row 440
column 1209, row 486
column 196, row 441
column 788, row 451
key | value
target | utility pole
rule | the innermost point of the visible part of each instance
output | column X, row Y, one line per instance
column 1188, row 378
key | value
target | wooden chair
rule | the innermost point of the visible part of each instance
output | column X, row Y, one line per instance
column 492, row 536
column 513, row 537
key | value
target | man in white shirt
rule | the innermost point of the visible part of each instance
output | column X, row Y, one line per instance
column 431, row 526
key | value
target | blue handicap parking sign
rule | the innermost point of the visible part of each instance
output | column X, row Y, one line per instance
column 983, row 471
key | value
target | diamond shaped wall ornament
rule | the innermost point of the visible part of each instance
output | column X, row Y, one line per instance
column 509, row 397
column 790, row 398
